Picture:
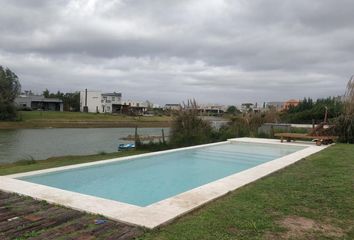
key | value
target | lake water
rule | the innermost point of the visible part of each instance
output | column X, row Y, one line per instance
column 22, row 144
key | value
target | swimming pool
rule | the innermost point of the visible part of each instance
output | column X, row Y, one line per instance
column 154, row 188
column 146, row 180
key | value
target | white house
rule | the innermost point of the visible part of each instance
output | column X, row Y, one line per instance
column 98, row 102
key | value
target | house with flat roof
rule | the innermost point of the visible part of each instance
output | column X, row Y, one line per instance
column 173, row 106
column 281, row 106
column 39, row 102
column 211, row 109
column 98, row 102
column 278, row 106
column 291, row 103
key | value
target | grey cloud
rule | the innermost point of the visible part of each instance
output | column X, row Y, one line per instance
column 169, row 50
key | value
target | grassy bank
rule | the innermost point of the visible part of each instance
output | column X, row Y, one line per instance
column 39, row 119
column 313, row 199
column 31, row 165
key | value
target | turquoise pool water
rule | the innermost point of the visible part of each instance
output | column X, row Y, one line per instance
column 146, row 180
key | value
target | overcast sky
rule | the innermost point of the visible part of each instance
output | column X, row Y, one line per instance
column 167, row 51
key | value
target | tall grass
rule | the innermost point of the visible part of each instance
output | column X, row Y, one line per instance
column 188, row 128
column 345, row 122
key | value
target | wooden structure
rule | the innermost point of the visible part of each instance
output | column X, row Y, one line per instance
column 318, row 139
column 323, row 133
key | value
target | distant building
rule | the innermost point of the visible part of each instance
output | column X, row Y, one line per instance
column 111, row 102
column 173, row 106
column 133, row 107
column 211, row 109
column 246, row 107
column 291, row 102
column 98, row 102
column 278, row 106
column 38, row 102
column 282, row 106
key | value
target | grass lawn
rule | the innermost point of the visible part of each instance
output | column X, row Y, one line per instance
column 41, row 119
column 79, row 116
column 31, row 165
column 312, row 199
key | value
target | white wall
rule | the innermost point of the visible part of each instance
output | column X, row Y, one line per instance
column 93, row 101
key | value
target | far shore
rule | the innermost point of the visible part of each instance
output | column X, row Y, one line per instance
column 36, row 119
column 83, row 124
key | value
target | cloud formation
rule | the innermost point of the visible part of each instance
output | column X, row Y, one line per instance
column 220, row 51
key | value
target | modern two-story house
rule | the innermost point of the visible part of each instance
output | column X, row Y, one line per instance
column 98, row 102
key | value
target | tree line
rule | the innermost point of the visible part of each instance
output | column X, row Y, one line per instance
column 309, row 110
column 71, row 100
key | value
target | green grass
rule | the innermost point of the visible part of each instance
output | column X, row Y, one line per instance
column 43, row 119
column 31, row 165
column 79, row 116
column 319, row 188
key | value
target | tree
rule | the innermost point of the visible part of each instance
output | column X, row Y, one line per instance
column 232, row 110
column 46, row 93
column 10, row 88
column 71, row 101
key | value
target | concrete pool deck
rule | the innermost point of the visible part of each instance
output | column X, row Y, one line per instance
column 163, row 211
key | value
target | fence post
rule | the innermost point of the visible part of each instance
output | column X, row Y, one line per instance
column 136, row 136
column 163, row 136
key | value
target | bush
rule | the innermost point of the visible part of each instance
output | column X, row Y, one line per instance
column 154, row 146
column 238, row 127
column 189, row 129
column 8, row 112
column 345, row 129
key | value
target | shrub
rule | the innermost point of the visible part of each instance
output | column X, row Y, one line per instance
column 154, row 146
column 188, row 128
column 345, row 129
column 7, row 112
column 238, row 127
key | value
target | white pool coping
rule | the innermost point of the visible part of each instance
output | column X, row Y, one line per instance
column 161, row 212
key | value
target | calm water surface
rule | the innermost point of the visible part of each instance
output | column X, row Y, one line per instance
column 150, row 179
column 22, row 144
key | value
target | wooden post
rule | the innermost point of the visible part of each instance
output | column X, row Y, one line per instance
column 136, row 135
column 271, row 131
column 163, row 136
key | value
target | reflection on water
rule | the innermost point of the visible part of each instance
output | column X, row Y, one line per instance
column 22, row 144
